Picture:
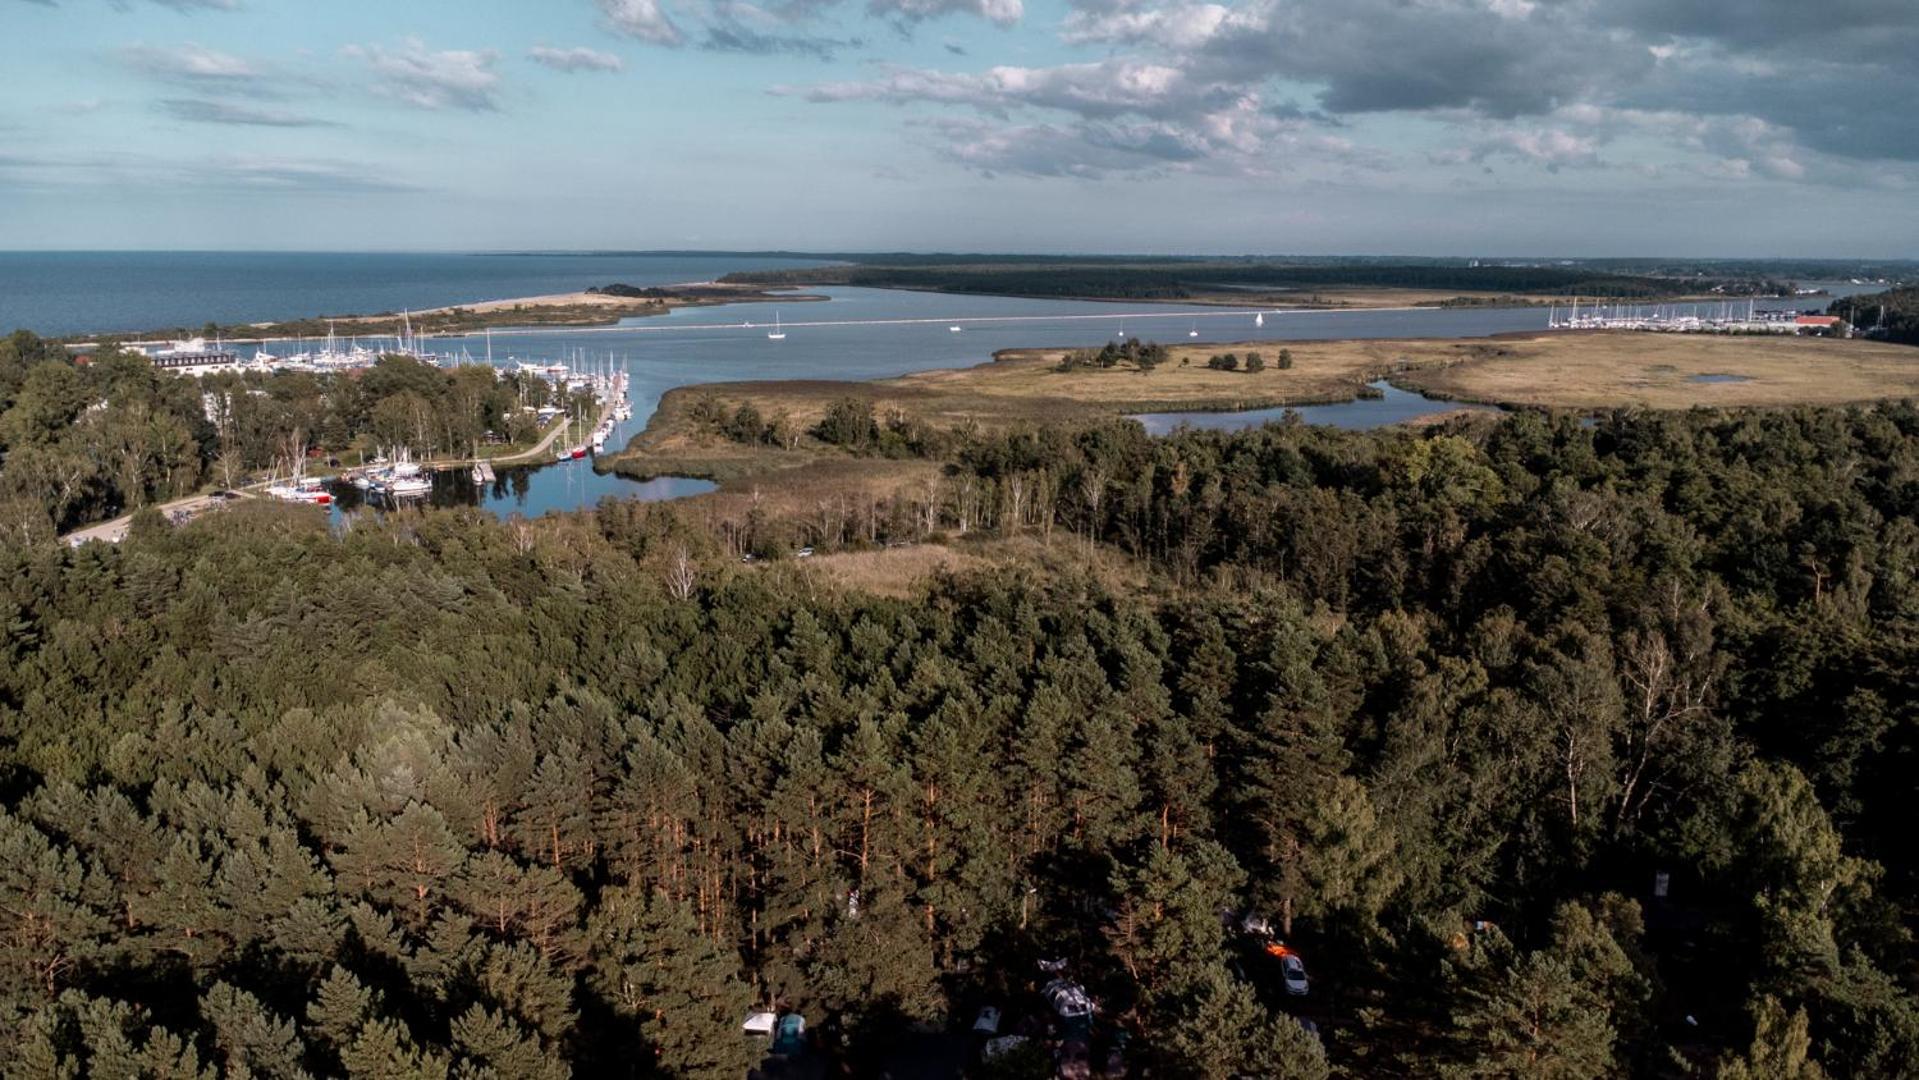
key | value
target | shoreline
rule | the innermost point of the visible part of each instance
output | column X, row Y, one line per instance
column 588, row 311
column 570, row 311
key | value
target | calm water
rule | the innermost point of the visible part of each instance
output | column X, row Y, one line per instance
column 703, row 345
column 58, row 293
column 533, row 490
column 1393, row 406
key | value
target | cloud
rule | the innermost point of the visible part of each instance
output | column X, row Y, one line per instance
column 741, row 39
column 643, row 20
column 575, row 59
column 202, row 111
column 999, row 12
column 184, row 6
column 1549, row 148
column 1499, row 79
column 449, row 79
column 1105, row 88
column 192, row 65
column 741, row 27
column 1087, row 151
column 296, row 175
column 239, row 174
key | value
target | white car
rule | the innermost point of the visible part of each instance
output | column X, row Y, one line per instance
column 1292, row 972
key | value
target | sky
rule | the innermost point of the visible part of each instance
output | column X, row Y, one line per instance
column 1461, row 127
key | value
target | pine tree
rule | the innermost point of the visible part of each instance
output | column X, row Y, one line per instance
column 1781, row 1047
column 52, row 913
column 404, row 865
column 250, row 1040
column 651, row 964
column 489, row 1045
column 1529, row 1015
column 1219, row 1031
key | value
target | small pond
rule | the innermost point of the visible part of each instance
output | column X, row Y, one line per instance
column 1392, row 406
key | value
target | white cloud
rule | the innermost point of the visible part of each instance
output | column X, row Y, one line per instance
column 644, row 20
column 999, row 12
column 448, row 79
column 1104, row 88
column 575, row 59
column 191, row 63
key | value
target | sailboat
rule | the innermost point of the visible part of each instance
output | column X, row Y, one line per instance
column 1259, row 318
column 1194, row 332
column 953, row 329
column 776, row 334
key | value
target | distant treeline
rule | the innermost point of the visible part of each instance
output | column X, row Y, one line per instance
column 1896, row 310
column 1185, row 280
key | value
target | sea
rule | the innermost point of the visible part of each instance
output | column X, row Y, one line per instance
column 56, row 294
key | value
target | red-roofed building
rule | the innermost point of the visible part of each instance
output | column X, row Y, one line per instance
column 1819, row 324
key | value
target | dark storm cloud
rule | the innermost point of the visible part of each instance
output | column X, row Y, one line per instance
column 1545, row 83
column 1389, row 56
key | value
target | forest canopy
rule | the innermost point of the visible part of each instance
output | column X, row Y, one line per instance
column 1556, row 750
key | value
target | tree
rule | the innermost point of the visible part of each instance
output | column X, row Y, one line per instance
column 1255, row 363
column 1548, row 1013
column 652, row 965
column 1781, row 1047
column 1220, row 1031
column 1285, row 359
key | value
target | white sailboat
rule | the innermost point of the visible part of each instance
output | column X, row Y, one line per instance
column 1259, row 319
column 1194, row 332
column 776, row 334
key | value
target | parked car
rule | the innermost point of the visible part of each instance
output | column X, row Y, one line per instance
column 1068, row 999
column 790, row 1036
column 1292, row 972
column 988, row 1022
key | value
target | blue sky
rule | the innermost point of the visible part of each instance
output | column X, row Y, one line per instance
column 1420, row 126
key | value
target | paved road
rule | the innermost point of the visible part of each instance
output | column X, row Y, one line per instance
column 116, row 530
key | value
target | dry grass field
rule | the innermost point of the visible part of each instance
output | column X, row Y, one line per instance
column 1573, row 371
column 904, row 571
column 1662, row 371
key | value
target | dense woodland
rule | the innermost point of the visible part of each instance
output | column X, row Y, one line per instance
column 81, row 443
column 1894, row 313
column 1184, row 279
column 440, row 795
